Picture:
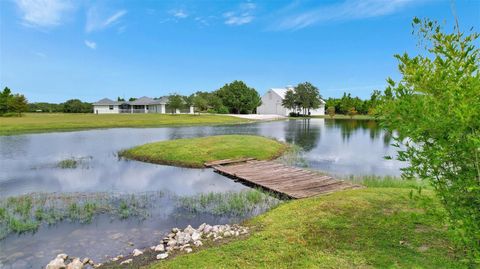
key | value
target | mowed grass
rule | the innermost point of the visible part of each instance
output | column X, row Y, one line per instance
column 50, row 122
column 367, row 228
column 194, row 152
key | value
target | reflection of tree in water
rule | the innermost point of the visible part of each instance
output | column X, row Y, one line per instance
column 301, row 133
column 387, row 139
column 348, row 127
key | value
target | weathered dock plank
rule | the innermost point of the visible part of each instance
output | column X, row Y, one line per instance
column 290, row 181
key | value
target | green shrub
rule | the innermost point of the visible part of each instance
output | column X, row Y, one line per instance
column 434, row 110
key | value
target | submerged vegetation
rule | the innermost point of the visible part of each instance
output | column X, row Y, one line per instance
column 74, row 162
column 194, row 152
column 26, row 213
column 230, row 203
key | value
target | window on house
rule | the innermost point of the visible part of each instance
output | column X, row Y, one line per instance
column 110, row 107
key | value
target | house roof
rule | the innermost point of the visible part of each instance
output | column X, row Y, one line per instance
column 148, row 101
column 106, row 102
column 142, row 101
column 282, row 91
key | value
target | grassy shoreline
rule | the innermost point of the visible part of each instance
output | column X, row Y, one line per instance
column 367, row 228
column 345, row 117
column 194, row 152
column 60, row 122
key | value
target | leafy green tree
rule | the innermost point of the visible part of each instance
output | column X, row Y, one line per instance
column 331, row 111
column 18, row 104
column 307, row 96
column 238, row 97
column 77, row 106
column 131, row 99
column 352, row 112
column 120, row 99
column 435, row 111
column 290, row 100
column 199, row 103
column 5, row 97
column 175, row 101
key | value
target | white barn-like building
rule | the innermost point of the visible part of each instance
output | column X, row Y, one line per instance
column 272, row 103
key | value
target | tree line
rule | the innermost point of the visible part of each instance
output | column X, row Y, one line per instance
column 235, row 97
column 69, row 106
column 349, row 105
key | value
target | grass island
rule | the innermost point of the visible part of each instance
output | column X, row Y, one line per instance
column 194, row 152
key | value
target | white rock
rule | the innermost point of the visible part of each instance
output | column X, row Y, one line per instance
column 196, row 235
column 189, row 230
column 183, row 238
column 217, row 238
column 227, row 234
column 175, row 230
column 162, row 256
column 97, row 265
column 207, row 229
column 137, row 252
column 75, row 264
column 86, row 260
column 56, row 263
column 159, row 248
column 127, row 261
column 188, row 250
column 62, row 256
column 198, row 243
column 172, row 242
column 201, row 227
column 215, row 229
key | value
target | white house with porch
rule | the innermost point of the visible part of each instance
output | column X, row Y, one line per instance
column 141, row 105
column 272, row 103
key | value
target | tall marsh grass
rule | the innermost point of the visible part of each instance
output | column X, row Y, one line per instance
column 229, row 203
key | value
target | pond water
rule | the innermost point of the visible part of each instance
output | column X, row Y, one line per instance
column 29, row 164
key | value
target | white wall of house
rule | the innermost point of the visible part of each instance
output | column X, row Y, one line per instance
column 272, row 104
column 105, row 109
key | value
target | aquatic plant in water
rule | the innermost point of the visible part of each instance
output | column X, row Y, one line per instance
column 73, row 162
column 245, row 202
column 26, row 213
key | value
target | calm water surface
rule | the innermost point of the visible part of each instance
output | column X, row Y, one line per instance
column 28, row 163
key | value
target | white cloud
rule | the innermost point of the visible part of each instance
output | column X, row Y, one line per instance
column 348, row 10
column 91, row 44
column 179, row 13
column 40, row 54
column 95, row 21
column 43, row 13
column 242, row 16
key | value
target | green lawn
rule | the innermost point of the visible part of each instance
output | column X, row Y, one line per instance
column 42, row 122
column 367, row 228
column 194, row 152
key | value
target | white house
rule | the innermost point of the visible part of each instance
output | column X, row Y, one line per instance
column 140, row 105
column 272, row 103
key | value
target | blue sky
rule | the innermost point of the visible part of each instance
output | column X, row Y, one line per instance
column 53, row 50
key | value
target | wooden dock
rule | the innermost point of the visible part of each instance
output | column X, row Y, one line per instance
column 285, row 180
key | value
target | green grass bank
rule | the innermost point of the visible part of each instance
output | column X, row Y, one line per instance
column 194, row 152
column 52, row 122
column 367, row 228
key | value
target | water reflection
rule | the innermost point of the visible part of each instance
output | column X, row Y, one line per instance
column 28, row 163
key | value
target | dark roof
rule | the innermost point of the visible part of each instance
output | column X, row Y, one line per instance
column 142, row 101
column 148, row 101
column 106, row 101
